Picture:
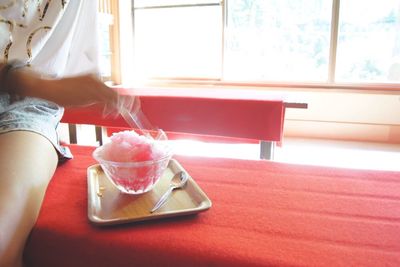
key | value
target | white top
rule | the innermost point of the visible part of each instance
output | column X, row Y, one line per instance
column 55, row 37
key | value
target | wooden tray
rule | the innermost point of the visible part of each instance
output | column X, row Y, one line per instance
column 107, row 205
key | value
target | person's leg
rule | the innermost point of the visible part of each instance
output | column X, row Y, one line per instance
column 27, row 163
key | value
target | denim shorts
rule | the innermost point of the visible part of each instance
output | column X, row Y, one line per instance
column 34, row 115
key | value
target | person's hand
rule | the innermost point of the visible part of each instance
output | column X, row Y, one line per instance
column 79, row 91
column 86, row 90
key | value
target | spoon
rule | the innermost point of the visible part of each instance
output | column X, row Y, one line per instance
column 140, row 121
column 137, row 120
column 178, row 181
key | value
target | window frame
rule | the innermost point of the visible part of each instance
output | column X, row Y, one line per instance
column 330, row 84
column 111, row 8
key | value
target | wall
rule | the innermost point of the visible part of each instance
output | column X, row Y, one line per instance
column 346, row 116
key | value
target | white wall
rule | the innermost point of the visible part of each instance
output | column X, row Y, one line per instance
column 348, row 116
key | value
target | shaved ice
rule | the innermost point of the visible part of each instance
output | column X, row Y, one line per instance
column 128, row 146
column 133, row 162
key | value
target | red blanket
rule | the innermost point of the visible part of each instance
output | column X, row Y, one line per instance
column 263, row 214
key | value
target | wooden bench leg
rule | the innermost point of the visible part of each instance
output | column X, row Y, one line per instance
column 72, row 133
column 99, row 135
column 267, row 150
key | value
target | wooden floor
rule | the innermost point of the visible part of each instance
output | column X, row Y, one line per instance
column 308, row 151
column 340, row 154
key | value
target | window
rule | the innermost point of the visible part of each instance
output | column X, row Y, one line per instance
column 369, row 44
column 277, row 40
column 109, row 41
column 178, row 38
column 261, row 41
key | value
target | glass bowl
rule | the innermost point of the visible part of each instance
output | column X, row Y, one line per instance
column 136, row 177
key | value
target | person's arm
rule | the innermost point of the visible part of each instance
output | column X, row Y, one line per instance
column 73, row 91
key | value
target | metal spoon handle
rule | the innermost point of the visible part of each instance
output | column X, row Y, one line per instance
column 163, row 199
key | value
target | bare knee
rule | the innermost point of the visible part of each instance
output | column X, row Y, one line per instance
column 25, row 171
column 11, row 260
column 21, row 210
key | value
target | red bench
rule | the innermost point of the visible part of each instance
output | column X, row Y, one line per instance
column 234, row 115
column 263, row 214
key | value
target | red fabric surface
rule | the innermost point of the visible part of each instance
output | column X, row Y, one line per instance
column 263, row 214
column 207, row 114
